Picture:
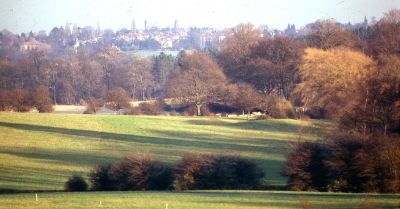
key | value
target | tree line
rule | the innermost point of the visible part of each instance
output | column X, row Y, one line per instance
column 247, row 72
column 194, row 171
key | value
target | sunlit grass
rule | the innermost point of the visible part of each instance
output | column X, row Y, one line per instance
column 40, row 151
column 197, row 200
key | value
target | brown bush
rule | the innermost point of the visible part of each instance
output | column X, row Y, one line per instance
column 278, row 107
column 216, row 172
column 20, row 100
column 156, row 108
column 263, row 117
column 133, row 111
column 93, row 105
column 41, row 100
column 116, row 99
column 100, row 179
column 5, row 100
column 305, row 167
column 140, row 172
column 361, row 163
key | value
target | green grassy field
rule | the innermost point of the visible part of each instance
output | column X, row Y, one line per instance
column 199, row 200
column 41, row 151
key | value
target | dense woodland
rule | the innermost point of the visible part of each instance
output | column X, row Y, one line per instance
column 348, row 76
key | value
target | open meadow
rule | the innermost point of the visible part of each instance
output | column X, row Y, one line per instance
column 41, row 151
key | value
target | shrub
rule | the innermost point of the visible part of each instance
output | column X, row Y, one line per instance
column 116, row 99
column 263, row 117
column 100, row 179
column 20, row 100
column 156, row 108
column 217, row 172
column 93, row 105
column 282, row 109
column 41, row 99
column 305, row 167
column 133, row 111
column 277, row 107
column 316, row 112
column 361, row 163
column 4, row 100
column 75, row 184
column 141, row 172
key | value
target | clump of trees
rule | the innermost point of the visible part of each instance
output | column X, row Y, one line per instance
column 20, row 100
column 217, row 172
column 144, row 172
column 347, row 162
column 362, row 94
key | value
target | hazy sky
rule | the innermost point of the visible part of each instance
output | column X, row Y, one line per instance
column 26, row 15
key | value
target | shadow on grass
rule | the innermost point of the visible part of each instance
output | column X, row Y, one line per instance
column 80, row 158
column 265, row 125
column 187, row 139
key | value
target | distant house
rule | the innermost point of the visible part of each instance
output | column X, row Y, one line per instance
column 34, row 44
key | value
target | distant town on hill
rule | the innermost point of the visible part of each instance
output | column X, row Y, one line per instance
column 150, row 38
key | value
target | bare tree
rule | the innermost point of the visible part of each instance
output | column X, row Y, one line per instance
column 326, row 34
column 198, row 81
column 244, row 97
column 235, row 51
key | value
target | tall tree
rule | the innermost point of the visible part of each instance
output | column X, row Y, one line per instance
column 108, row 58
column 275, row 64
column 236, row 49
column 329, row 78
column 376, row 104
column 326, row 34
column 197, row 81
column 385, row 35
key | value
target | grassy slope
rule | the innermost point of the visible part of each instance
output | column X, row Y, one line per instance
column 198, row 200
column 40, row 151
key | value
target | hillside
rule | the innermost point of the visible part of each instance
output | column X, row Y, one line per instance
column 40, row 151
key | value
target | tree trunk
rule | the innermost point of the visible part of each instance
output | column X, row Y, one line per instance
column 198, row 108
column 54, row 95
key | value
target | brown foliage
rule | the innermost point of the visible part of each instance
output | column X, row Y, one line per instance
column 385, row 35
column 277, row 107
column 216, row 172
column 140, row 172
column 198, row 81
column 244, row 97
column 41, row 100
column 376, row 104
column 116, row 99
column 362, row 163
column 236, row 49
column 330, row 78
column 156, row 108
column 93, row 105
column 20, row 100
column 4, row 100
column 305, row 167
column 326, row 34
